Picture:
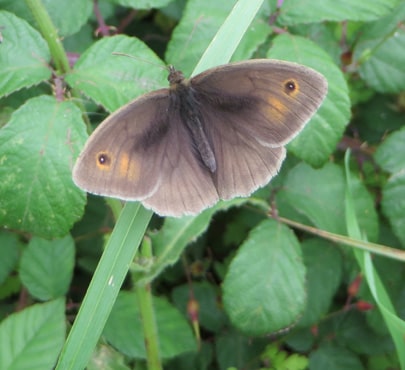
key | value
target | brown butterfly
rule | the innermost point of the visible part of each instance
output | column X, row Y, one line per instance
column 218, row 135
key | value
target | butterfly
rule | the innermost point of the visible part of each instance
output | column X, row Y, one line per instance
column 218, row 135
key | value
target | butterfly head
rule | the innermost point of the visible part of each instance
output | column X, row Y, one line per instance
column 175, row 77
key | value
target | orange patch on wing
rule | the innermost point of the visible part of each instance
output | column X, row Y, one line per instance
column 276, row 109
column 123, row 164
column 128, row 167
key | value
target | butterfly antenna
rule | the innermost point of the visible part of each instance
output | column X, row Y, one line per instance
column 139, row 59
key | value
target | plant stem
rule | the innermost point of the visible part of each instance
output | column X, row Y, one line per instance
column 382, row 250
column 150, row 330
column 50, row 34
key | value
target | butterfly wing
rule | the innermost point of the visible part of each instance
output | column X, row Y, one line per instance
column 250, row 111
column 143, row 152
column 187, row 186
column 243, row 164
column 275, row 99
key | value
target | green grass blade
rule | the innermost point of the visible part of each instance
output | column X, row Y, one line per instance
column 228, row 37
column 104, row 287
column 395, row 325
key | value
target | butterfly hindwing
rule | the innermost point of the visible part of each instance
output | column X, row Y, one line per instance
column 243, row 163
column 186, row 185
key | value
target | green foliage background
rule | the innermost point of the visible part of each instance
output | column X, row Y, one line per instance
column 269, row 295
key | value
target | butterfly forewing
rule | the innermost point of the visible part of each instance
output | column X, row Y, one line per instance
column 273, row 99
column 123, row 156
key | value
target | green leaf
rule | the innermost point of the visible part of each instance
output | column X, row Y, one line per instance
column 235, row 351
column 113, row 80
column 282, row 359
column 334, row 358
column 108, row 357
column 393, row 204
column 255, row 36
column 378, row 117
column 80, row 41
column 21, row 64
column 38, row 147
column 355, row 333
column 390, row 155
column 32, row 338
column 264, row 289
column 324, row 272
column 9, row 252
column 299, row 11
column 10, row 287
column 300, row 340
column 324, row 35
column 124, row 328
column 193, row 360
column 319, row 138
column 67, row 17
column 47, row 266
column 380, row 51
column 318, row 195
column 384, row 361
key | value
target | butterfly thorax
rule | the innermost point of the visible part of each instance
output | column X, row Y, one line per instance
column 185, row 101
